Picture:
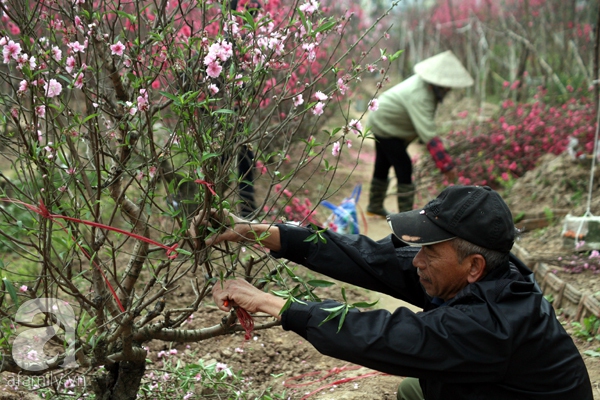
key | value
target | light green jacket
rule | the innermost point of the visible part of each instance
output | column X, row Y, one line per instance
column 406, row 111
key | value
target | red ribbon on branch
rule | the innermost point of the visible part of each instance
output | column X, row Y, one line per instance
column 208, row 185
column 43, row 211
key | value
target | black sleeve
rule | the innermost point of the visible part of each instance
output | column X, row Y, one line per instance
column 422, row 345
column 356, row 259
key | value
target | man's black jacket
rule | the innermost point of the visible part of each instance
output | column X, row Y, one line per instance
column 497, row 339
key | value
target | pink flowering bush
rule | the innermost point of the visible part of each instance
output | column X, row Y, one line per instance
column 124, row 120
column 505, row 147
column 577, row 263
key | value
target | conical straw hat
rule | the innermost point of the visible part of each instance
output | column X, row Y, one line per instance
column 444, row 70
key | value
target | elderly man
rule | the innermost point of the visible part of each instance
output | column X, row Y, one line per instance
column 485, row 332
column 406, row 112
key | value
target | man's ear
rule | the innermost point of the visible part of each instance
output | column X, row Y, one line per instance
column 476, row 268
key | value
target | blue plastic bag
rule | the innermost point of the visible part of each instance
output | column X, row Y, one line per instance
column 344, row 218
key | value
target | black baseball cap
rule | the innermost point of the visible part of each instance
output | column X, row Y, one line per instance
column 476, row 214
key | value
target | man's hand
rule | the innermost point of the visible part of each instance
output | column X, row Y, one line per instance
column 235, row 229
column 238, row 292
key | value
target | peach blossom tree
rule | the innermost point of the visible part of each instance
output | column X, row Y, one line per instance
column 121, row 120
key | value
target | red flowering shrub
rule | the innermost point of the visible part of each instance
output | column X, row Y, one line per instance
column 502, row 148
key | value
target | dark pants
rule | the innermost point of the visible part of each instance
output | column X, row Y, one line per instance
column 392, row 153
column 246, row 173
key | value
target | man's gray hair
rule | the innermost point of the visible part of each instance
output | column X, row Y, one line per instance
column 492, row 258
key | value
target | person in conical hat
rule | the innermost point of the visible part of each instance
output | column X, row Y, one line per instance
column 406, row 112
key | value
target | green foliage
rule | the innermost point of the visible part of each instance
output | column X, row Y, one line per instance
column 588, row 330
column 342, row 310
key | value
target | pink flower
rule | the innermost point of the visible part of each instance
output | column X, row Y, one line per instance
column 40, row 111
column 320, row 96
column 214, row 69
column 11, row 49
column 76, row 47
column 298, row 100
column 23, row 288
column 373, row 105
column 131, row 108
column 223, row 367
column 78, row 81
column 70, row 64
column 56, row 53
column 309, row 7
column 142, row 101
column 335, row 150
column 23, row 86
column 52, row 88
column 117, row 48
column 349, row 143
column 355, row 126
column 213, row 89
column 318, row 110
column 261, row 167
column 342, row 86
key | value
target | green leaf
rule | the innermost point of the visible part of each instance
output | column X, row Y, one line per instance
column 179, row 250
column 342, row 319
column 207, row 156
column 331, row 316
column 86, row 119
column 123, row 14
column 395, row 55
column 170, row 96
column 592, row 353
column 11, row 291
column 325, row 27
column 364, row 304
column 223, row 111
column 311, row 238
column 320, row 283
column 334, row 309
column 307, row 24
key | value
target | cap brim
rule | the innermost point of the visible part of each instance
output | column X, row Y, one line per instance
column 416, row 229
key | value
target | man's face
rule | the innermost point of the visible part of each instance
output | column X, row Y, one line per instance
column 440, row 272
